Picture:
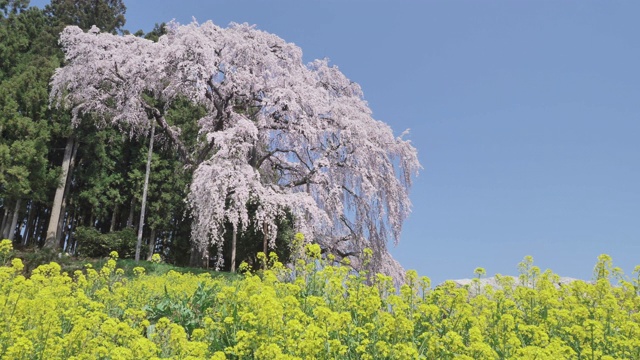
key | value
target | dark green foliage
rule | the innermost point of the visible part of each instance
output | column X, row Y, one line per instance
column 108, row 15
column 92, row 243
column 158, row 30
column 99, row 181
column 9, row 7
column 25, row 36
column 178, row 246
column 169, row 184
column 27, row 62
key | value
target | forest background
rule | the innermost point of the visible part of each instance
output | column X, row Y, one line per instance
column 92, row 203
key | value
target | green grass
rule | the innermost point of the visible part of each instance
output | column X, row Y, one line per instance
column 32, row 259
column 160, row 269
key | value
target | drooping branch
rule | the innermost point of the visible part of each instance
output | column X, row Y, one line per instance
column 171, row 132
column 278, row 132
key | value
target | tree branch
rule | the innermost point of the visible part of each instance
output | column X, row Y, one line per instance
column 173, row 135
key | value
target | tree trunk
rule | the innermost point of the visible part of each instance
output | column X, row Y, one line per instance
column 51, row 239
column 165, row 239
column 64, row 231
column 198, row 258
column 28, row 231
column 144, row 192
column 233, row 249
column 33, row 229
column 114, row 217
column 63, row 209
column 70, row 244
column 265, row 241
column 41, row 232
column 5, row 218
column 36, row 238
column 152, row 244
column 14, row 220
column 131, row 210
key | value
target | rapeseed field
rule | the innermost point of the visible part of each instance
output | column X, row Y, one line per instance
column 314, row 309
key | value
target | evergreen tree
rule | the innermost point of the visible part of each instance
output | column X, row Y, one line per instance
column 26, row 66
column 109, row 15
column 8, row 7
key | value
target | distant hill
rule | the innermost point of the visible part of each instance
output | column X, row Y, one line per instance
column 497, row 284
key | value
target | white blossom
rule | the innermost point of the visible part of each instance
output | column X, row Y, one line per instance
column 284, row 135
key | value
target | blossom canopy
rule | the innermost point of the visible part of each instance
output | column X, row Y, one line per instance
column 283, row 135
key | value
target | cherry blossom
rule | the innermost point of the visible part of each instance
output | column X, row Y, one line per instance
column 279, row 133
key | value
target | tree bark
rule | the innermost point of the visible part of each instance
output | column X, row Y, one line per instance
column 41, row 232
column 198, row 258
column 65, row 196
column 130, row 217
column 33, row 233
column 114, row 217
column 165, row 239
column 152, row 244
column 5, row 218
column 144, row 192
column 28, row 231
column 233, row 249
column 70, row 245
column 63, row 230
column 14, row 220
column 51, row 239
column 265, row 242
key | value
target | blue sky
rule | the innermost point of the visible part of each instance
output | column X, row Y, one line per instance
column 525, row 114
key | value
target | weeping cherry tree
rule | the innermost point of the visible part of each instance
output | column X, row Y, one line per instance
column 279, row 134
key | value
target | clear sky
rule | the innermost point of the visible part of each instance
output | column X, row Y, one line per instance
column 525, row 114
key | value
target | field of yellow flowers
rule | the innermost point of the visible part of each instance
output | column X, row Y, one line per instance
column 316, row 309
